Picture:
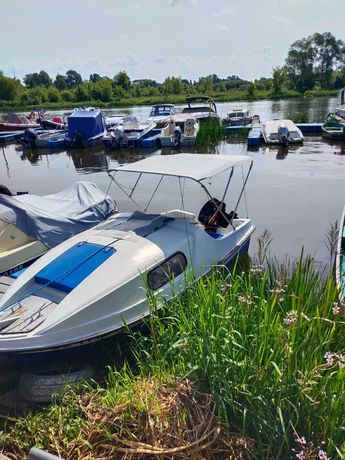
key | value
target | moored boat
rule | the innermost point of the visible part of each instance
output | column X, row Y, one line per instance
column 281, row 132
column 30, row 224
column 94, row 284
column 340, row 110
column 128, row 134
column 333, row 130
column 180, row 131
column 85, row 128
column 201, row 107
column 17, row 123
column 161, row 113
column 50, row 140
column 340, row 258
column 238, row 117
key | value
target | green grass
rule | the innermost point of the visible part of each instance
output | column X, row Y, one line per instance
column 256, row 341
column 210, row 132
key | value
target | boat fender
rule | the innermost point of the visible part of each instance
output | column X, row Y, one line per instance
column 177, row 136
column 41, row 386
column 31, row 136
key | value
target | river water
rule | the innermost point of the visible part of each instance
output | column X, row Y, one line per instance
column 295, row 193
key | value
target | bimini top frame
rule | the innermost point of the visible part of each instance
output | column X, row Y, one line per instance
column 197, row 167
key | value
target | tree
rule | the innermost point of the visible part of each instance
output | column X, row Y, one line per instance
column 73, row 79
column 8, row 88
column 278, row 77
column 95, row 77
column 123, row 80
column 31, row 80
column 60, row 82
column 53, row 94
column 251, row 89
column 81, row 93
column 326, row 54
column 299, row 64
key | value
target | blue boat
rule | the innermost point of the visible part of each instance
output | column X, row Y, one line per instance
column 85, row 128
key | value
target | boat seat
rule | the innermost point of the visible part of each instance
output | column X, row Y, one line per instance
column 143, row 224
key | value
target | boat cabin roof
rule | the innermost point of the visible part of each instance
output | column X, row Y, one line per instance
column 238, row 112
column 192, row 166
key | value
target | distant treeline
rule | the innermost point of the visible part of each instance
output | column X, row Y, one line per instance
column 312, row 64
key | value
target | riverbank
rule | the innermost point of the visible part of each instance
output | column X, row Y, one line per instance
column 234, row 96
column 246, row 363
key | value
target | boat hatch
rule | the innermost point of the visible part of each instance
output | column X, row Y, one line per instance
column 73, row 266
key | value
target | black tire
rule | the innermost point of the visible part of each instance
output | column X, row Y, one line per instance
column 40, row 387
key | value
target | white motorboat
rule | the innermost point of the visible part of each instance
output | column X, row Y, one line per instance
column 130, row 133
column 93, row 284
column 238, row 117
column 201, row 107
column 30, row 224
column 181, row 131
column 281, row 132
column 161, row 113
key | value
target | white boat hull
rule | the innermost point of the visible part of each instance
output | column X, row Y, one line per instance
column 114, row 294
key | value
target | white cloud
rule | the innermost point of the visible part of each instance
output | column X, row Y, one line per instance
column 161, row 60
column 281, row 20
column 221, row 27
column 227, row 11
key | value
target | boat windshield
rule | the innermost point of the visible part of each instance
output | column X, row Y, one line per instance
column 162, row 111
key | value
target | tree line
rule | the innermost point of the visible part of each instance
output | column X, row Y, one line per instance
column 314, row 62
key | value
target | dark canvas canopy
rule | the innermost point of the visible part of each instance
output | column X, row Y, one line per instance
column 52, row 219
column 89, row 123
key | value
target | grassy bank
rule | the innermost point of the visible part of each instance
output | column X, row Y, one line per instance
column 242, row 365
column 173, row 99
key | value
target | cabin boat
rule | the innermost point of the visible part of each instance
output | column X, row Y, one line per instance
column 238, row 117
column 30, row 224
column 340, row 258
column 85, row 128
column 93, row 284
column 333, row 130
column 181, row 131
column 282, row 132
column 161, row 113
column 201, row 107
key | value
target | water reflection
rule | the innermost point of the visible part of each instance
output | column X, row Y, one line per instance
column 87, row 161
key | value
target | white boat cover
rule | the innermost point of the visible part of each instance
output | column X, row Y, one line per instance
column 52, row 219
column 193, row 166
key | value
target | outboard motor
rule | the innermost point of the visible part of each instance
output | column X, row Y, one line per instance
column 117, row 137
column 177, row 136
column 78, row 139
column 283, row 134
column 211, row 217
column 29, row 137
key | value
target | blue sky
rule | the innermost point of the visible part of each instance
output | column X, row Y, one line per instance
column 157, row 38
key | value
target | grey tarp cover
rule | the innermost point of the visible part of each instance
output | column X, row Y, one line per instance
column 52, row 219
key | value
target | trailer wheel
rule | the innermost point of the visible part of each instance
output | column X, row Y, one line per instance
column 41, row 386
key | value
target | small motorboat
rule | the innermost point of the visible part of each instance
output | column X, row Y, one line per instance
column 181, row 131
column 333, row 130
column 238, row 117
column 283, row 132
column 85, row 128
column 161, row 114
column 94, row 284
column 17, row 123
column 30, row 224
column 340, row 258
column 201, row 107
column 49, row 140
column 129, row 134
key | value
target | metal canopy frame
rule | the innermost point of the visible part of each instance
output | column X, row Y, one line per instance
column 112, row 173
